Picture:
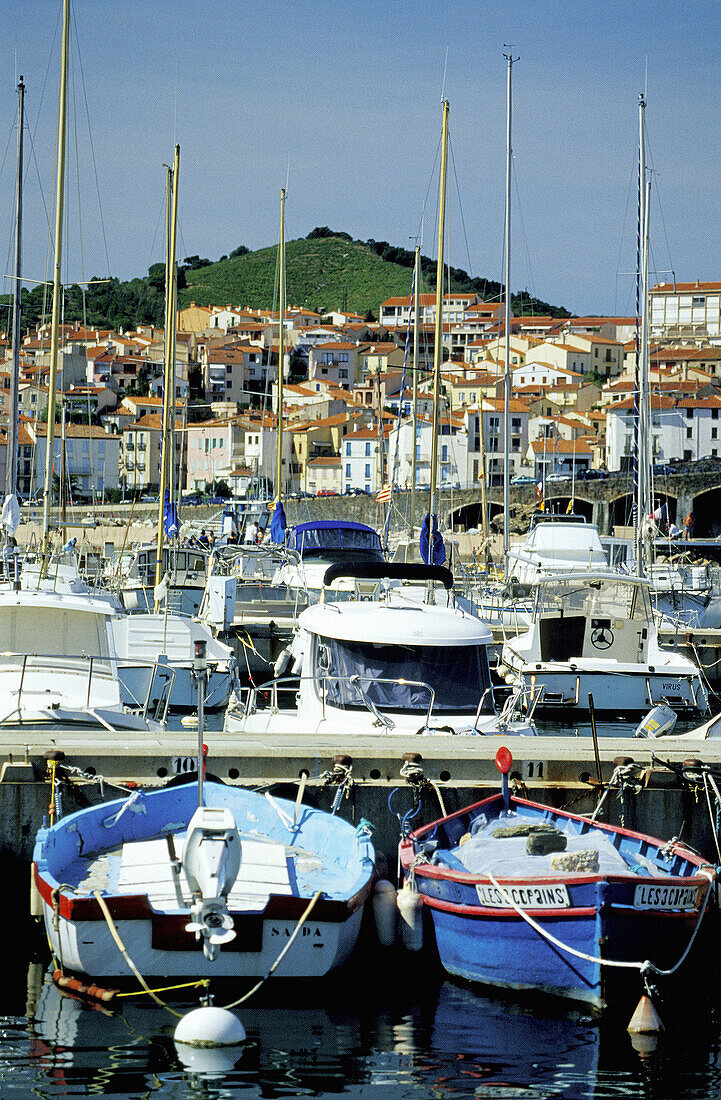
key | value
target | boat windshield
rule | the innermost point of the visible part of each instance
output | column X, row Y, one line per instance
column 54, row 631
column 393, row 676
column 338, row 543
column 616, row 598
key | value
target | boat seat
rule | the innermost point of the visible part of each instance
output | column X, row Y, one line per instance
column 146, row 869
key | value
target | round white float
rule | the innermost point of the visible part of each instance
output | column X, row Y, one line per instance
column 210, row 1026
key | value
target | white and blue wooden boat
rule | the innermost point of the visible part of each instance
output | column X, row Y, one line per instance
column 180, row 883
column 543, row 922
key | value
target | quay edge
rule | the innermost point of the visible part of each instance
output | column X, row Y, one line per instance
column 459, row 771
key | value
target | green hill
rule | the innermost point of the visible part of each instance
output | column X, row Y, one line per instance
column 321, row 274
column 328, row 270
column 325, row 270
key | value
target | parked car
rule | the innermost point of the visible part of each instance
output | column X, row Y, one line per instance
column 557, row 477
column 523, row 479
column 663, row 468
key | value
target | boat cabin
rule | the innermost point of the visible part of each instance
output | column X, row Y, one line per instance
column 605, row 616
column 397, row 657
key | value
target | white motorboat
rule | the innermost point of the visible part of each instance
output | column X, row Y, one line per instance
column 556, row 544
column 595, row 634
column 318, row 544
column 386, row 667
column 59, row 664
column 169, row 640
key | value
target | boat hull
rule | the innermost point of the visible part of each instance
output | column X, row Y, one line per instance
column 506, row 952
column 160, row 947
column 550, row 931
column 615, row 692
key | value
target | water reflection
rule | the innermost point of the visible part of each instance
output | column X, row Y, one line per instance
column 390, row 1030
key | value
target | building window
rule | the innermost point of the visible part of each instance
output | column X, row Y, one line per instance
column 714, row 433
column 368, row 471
column 689, row 413
column 368, row 449
column 347, row 448
column 347, row 469
column 444, row 453
column 689, row 433
column 714, row 414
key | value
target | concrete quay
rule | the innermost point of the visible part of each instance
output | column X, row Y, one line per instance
column 458, row 770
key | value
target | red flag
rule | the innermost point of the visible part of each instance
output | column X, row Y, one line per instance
column 384, row 495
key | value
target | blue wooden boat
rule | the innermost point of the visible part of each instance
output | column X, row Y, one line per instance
column 202, row 891
column 543, row 922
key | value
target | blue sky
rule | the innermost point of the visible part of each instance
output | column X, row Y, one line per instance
column 343, row 101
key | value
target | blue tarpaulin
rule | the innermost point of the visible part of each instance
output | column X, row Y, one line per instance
column 171, row 525
column 436, row 553
column 278, row 524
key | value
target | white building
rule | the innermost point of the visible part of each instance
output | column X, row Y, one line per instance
column 686, row 429
column 680, row 312
column 361, row 461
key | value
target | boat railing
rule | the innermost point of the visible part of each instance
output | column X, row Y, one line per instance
column 289, row 683
column 96, row 669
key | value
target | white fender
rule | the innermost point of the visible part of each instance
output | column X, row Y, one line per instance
column 410, row 907
column 385, row 911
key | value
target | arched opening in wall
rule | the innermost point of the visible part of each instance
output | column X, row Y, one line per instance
column 707, row 510
column 621, row 509
column 560, row 506
column 621, row 512
column 468, row 517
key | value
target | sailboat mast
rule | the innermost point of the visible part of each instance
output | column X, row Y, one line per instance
column 167, row 420
column 414, row 407
column 281, row 343
column 438, row 347
column 55, row 317
column 639, row 465
column 11, row 471
column 507, row 303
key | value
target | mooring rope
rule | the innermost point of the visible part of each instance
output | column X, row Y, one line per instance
column 642, row 967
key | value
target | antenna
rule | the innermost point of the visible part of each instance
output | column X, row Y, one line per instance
column 443, row 86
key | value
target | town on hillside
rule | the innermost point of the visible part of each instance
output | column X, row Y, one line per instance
column 348, row 392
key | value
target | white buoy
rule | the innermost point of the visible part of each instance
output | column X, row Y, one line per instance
column 209, row 1026
column 209, row 1061
column 410, row 907
column 385, row 911
column 190, row 721
column 645, row 1020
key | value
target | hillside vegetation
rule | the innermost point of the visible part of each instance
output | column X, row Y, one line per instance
column 324, row 271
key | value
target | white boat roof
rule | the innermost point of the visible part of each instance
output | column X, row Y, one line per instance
column 45, row 597
column 585, row 576
column 571, row 537
column 418, row 624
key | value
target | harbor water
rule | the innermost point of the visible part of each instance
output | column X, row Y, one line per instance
column 389, row 1024
column 360, row 1034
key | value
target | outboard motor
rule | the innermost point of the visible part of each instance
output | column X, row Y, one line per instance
column 659, row 722
column 211, row 863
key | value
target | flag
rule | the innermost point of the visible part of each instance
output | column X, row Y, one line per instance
column 659, row 515
column 278, row 523
column 170, row 517
column 384, row 495
column 539, row 490
column 433, row 552
column 570, row 507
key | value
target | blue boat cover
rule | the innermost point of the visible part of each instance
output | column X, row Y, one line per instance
column 327, row 534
